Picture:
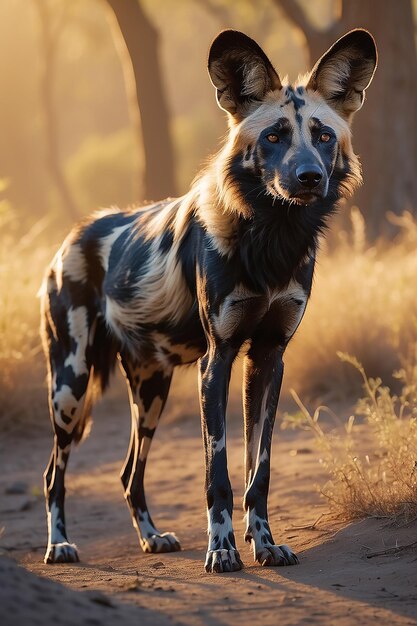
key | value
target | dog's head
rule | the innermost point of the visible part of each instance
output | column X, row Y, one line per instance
column 294, row 139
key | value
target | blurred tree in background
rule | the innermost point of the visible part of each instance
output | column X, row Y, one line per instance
column 108, row 102
column 51, row 21
column 128, row 112
column 138, row 45
column 385, row 131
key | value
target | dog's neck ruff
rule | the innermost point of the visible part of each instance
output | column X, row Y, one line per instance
column 272, row 246
column 270, row 237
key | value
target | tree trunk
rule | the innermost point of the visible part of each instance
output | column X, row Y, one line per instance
column 384, row 132
column 49, row 38
column 147, row 101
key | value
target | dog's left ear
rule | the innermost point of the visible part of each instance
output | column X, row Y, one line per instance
column 345, row 71
column 241, row 73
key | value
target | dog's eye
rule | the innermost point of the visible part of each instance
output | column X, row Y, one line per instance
column 272, row 138
column 325, row 137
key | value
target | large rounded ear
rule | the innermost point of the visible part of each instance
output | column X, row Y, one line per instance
column 241, row 72
column 345, row 71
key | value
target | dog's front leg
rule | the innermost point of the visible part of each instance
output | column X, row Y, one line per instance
column 263, row 377
column 215, row 368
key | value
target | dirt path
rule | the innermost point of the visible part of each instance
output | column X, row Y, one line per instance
column 334, row 584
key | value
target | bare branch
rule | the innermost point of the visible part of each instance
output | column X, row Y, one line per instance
column 317, row 40
column 296, row 15
column 220, row 13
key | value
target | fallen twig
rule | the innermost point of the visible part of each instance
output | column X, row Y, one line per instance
column 393, row 550
column 306, row 526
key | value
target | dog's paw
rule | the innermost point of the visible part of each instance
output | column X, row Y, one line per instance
column 61, row 553
column 276, row 556
column 219, row 561
column 165, row 542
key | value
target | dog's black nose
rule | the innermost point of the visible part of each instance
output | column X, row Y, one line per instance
column 309, row 175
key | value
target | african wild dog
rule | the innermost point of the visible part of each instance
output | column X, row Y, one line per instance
column 228, row 265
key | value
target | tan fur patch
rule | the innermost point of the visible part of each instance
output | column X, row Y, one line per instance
column 161, row 293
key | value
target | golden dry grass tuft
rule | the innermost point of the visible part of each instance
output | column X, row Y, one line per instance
column 22, row 370
column 372, row 457
column 363, row 303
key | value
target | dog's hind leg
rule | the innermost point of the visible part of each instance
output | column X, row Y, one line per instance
column 66, row 338
column 263, row 377
column 148, row 390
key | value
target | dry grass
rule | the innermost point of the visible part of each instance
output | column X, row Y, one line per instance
column 363, row 303
column 22, row 370
column 372, row 458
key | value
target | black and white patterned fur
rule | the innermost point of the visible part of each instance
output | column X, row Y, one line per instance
column 228, row 266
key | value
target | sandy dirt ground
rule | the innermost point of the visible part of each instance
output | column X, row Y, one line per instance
column 335, row 583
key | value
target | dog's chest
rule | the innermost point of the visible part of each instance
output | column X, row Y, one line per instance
column 277, row 312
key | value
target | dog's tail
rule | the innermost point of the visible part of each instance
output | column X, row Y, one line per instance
column 103, row 355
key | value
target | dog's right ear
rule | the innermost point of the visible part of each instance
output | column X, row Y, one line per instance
column 241, row 73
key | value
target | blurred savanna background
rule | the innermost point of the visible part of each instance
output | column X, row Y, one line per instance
column 108, row 102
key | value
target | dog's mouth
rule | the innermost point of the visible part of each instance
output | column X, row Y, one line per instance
column 305, row 198
column 302, row 197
